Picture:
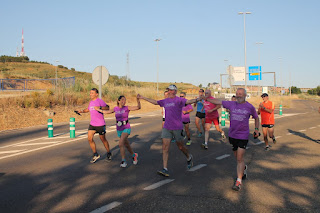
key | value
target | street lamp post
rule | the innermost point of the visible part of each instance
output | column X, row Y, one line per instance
column 56, row 73
column 245, row 46
column 157, row 40
column 259, row 43
column 229, row 76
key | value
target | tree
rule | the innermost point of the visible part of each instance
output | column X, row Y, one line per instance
column 200, row 85
column 295, row 90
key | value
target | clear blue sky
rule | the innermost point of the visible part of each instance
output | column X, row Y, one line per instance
column 197, row 36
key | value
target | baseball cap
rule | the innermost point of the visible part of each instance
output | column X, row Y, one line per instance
column 172, row 87
column 264, row 95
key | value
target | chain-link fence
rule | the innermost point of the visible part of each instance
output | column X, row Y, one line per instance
column 36, row 84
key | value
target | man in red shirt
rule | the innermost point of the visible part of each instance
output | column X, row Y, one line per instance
column 212, row 116
column 266, row 109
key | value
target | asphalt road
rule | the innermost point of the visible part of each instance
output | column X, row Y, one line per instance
column 41, row 174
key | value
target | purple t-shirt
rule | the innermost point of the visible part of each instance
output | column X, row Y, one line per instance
column 97, row 118
column 173, row 110
column 122, row 114
column 186, row 117
column 239, row 118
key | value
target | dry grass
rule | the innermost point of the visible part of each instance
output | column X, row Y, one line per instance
column 286, row 101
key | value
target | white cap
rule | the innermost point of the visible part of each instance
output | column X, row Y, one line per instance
column 172, row 87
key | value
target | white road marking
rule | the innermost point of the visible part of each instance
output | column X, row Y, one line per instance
column 278, row 137
column 312, row 127
column 158, row 184
column 289, row 133
column 23, row 142
column 197, row 167
column 302, row 130
column 222, row 156
column 11, row 151
column 260, row 142
column 107, row 207
column 35, row 144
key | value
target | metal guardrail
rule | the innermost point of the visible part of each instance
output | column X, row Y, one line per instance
column 35, row 84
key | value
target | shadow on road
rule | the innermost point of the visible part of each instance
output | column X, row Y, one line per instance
column 300, row 134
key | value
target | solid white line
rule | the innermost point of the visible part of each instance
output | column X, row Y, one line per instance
column 11, row 151
column 107, row 207
column 35, row 144
column 278, row 137
column 302, row 130
column 222, row 156
column 24, row 142
column 158, row 184
column 289, row 133
column 197, row 167
column 56, row 144
column 260, row 142
column 312, row 127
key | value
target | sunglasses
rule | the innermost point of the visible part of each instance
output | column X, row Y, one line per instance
column 181, row 96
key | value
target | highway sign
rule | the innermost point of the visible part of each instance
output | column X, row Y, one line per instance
column 254, row 73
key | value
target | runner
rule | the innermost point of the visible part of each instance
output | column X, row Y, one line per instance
column 186, row 118
column 172, row 126
column 200, row 115
column 97, row 124
column 212, row 115
column 241, row 110
column 123, row 127
column 266, row 108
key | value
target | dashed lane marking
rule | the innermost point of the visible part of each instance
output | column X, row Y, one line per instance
column 36, row 144
column 197, row 167
column 302, row 130
column 260, row 142
column 222, row 156
column 278, row 137
column 107, row 207
column 289, row 133
column 158, row 184
column 312, row 127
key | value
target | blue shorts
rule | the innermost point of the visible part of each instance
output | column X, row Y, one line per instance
column 125, row 131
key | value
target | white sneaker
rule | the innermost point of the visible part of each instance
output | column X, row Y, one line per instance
column 223, row 135
column 123, row 164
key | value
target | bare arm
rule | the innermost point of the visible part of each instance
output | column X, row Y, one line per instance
column 148, row 99
column 132, row 108
column 103, row 110
column 217, row 107
column 215, row 101
column 266, row 109
column 83, row 111
column 191, row 101
column 256, row 125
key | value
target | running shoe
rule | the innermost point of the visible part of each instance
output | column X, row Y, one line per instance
column 204, row 145
column 190, row 162
column 223, row 135
column 123, row 164
column 173, row 140
column 274, row 140
column 200, row 135
column 267, row 148
column 95, row 157
column 135, row 159
column 189, row 142
column 109, row 157
column 164, row 172
column 245, row 172
column 237, row 186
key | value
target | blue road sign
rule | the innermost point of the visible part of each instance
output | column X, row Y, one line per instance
column 254, row 73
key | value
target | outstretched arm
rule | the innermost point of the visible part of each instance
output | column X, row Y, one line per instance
column 191, row 101
column 132, row 108
column 148, row 99
column 103, row 110
column 215, row 101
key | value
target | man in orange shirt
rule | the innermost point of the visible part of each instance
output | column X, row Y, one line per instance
column 266, row 109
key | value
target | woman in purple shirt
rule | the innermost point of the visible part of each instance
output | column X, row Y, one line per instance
column 123, row 127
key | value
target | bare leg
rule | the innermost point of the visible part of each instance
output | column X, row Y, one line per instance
column 128, row 146
column 183, row 148
column 91, row 142
column 265, row 135
column 240, row 162
column 186, row 128
column 105, row 142
column 271, row 132
column 206, row 133
column 165, row 151
column 203, row 121
column 198, row 125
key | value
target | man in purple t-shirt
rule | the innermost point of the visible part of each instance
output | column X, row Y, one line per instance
column 97, row 124
column 240, row 112
column 173, row 126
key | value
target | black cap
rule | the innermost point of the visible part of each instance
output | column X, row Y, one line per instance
column 264, row 95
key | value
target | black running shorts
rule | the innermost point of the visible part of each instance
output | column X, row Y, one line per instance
column 200, row 115
column 267, row 125
column 238, row 143
column 99, row 129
